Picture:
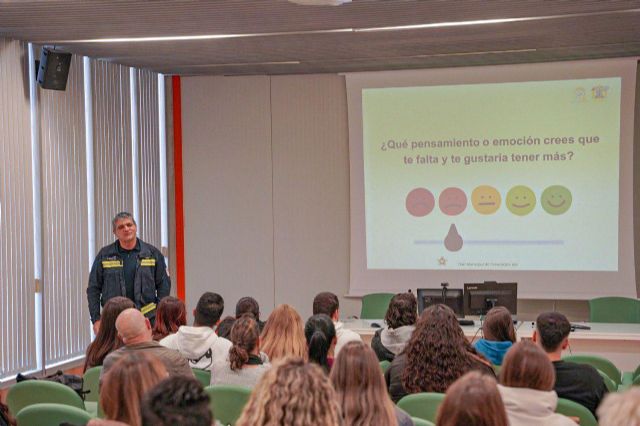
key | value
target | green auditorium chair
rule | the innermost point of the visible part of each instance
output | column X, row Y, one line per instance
column 417, row 421
column 227, row 402
column 203, row 376
column 32, row 392
column 384, row 366
column 630, row 378
column 374, row 305
column 51, row 415
column 614, row 310
column 599, row 363
column 573, row 409
column 423, row 405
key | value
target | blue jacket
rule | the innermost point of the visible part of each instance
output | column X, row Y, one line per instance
column 493, row 351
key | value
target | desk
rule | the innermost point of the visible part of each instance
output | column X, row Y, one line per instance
column 619, row 343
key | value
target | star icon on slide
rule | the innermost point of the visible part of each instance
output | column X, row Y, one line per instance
column 442, row 261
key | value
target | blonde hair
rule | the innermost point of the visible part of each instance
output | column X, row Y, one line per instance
column 357, row 378
column 125, row 384
column 292, row 393
column 620, row 409
column 283, row 334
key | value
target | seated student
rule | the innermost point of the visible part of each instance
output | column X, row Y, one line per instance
column 526, row 387
column 135, row 331
column 125, row 384
column 249, row 305
column 107, row 339
column 580, row 383
column 474, row 400
column 437, row 354
column 170, row 315
column 401, row 319
column 357, row 378
column 177, row 401
column 244, row 364
column 321, row 338
column 293, row 392
column 499, row 335
column 200, row 344
column 224, row 327
column 328, row 304
column 283, row 334
column 620, row 409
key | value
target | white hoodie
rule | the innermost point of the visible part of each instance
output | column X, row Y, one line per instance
column 343, row 336
column 200, row 345
column 530, row 407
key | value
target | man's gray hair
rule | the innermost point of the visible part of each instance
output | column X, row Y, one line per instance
column 120, row 216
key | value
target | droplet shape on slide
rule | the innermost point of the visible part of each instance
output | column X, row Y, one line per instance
column 453, row 240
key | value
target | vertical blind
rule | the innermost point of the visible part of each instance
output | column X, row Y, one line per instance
column 64, row 219
column 17, row 311
column 63, row 186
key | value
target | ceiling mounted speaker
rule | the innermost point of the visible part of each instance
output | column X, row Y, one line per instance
column 320, row 2
column 54, row 69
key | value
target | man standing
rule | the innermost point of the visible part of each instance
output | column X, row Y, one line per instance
column 128, row 267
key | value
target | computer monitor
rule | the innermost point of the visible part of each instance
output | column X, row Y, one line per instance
column 434, row 296
column 480, row 297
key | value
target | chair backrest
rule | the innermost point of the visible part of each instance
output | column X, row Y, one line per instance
column 227, row 402
column 203, row 376
column 614, row 309
column 32, row 392
column 422, row 405
column 608, row 382
column 573, row 409
column 91, row 384
column 374, row 305
column 599, row 363
column 417, row 421
column 51, row 415
column 384, row 366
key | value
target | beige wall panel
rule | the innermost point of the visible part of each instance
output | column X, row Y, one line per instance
column 227, row 189
column 17, row 329
column 310, row 188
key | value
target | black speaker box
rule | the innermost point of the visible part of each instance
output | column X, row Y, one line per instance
column 54, row 69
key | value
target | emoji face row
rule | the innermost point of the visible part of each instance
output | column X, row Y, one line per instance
column 485, row 199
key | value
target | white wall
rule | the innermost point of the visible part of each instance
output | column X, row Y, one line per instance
column 266, row 192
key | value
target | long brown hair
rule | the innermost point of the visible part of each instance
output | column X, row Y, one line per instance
column 527, row 366
column 245, row 335
column 283, row 334
column 472, row 400
column 438, row 353
column 125, row 384
column 170, row 315
column 498, row 325
column 362, row 394
column 293, row 393
column 107, row 339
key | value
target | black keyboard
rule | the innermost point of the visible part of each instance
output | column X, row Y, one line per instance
column 464, row 322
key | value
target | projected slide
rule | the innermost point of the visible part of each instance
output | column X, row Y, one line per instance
column 509, row 176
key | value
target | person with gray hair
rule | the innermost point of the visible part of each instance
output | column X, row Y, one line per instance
column 128, row 267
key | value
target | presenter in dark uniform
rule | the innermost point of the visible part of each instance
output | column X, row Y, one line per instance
column 129, row 267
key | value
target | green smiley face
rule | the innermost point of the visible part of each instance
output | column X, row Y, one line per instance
column 521, row 200
column 556, row 199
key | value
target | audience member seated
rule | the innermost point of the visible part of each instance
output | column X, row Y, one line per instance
column 620, row 409
column 320, row 334
column 283, row 334
column 126, row 383
column 473, row 400
column 244, row 364
column 135, row 331
column 328, row 304
column 358, row 381
column 292, row 393
column 580, row 383
column 176, row 401
column 224, row 327
column 170, row 316
column 200, row 344
column 526, row 386
column 107, row 339
column 498, row 335
column 437, row 355
column 249, row 305
column 401, row 319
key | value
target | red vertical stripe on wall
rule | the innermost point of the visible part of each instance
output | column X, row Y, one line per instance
column 177, row 161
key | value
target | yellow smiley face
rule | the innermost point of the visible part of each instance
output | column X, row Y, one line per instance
column 485, row 199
